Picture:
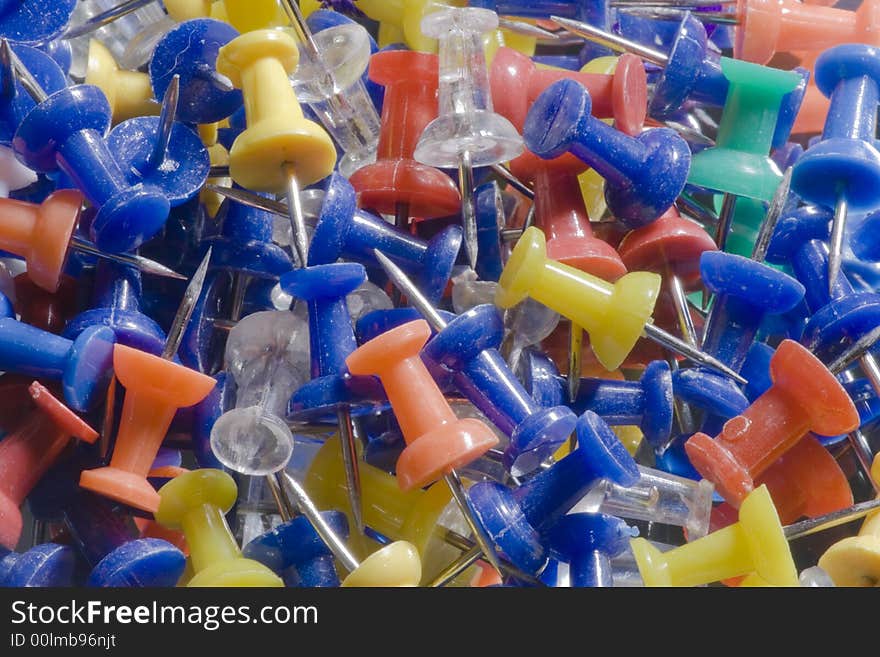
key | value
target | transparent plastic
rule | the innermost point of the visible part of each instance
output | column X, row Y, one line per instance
column 13, row 174
column 365, row 299
column 267, row 354
column 139, row 49
column 334, row 89
column 815, row 577
column 466, row 121
column 657, row 497
column 468, row 291
column 525, row 324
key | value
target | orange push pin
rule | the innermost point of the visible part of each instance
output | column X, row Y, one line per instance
column 28, row 452
column 155, row 388
column 195, row 503
column 437, row 442
column 804, row 397
column 757, row 543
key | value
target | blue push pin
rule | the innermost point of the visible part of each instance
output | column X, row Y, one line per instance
column 756, row 368
column 332, row 391
column 84, row 365
column 842, row 171
column 646, row 403
column 65, row 131
column 116, row 303
column 690, row 73
column 718, row 396
column 204, row 415
column 745, row 291
column 296, row 545
column 109, row 542
column 34, row 21
column 189, row 51
column 44, row 565
column 643, row 175
column 840, row 314
column 162, row 153
column 345, row 231
column 15, row 102
column 489, row 209
column 516, row 519
column 468, row 346
column 588, row 542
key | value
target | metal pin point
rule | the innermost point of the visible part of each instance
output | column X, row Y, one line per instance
column 575, row 347
column 348, row 435
column 829, row 520
column 835, row 253
column 527, row 29
column 166, row 124
column 23, row 74
column 98, row 21
column 8, row 85
column 281, row 501
column 507, row 175
column 858, row 442
column 682, row 348
column 185, row 309
column 297, row 219
column 307, row 507
column 657, row 12
column 613, row 41
column 468, row 210
column 251, row 200
column 437, row 323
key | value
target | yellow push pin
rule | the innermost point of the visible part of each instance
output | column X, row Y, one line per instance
column 855, row 561
column 615, row 315
column 128, row 92
column 397, row 564
column 756, row 544
column 195, row 503
column 280, row 149
column 250, row 15
column 404, row 17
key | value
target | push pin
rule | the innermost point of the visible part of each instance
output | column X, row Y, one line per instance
column 15, row 98
column 757, row 543
column 178, row 10
column 468, row 345
column 593, row 303
column 128, row 92
column 29, row 451
column 636, row 191
column 842, row 170
column 155, row 388
column 47, row 140
column 206, row 96
column 280, row 149
column 329, row 79
column 437, row 441
column 162, row 153
column 344, row 231
column 331, row 339
column 396, row 184
column 623, row 95
column 657, row 496
column 516, row 519
column 805, row 397
column 397, row 564
column 467, row 132
column 296, row 545
column 195, row 503
column 588, row 542
column 855, row 560
column 30, row 21
column 44, row 565
column 692, row 71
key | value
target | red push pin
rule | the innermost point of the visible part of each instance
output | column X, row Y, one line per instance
column 396, row 184
column 804, row 397
column 48, row 311
column 806, row 481
column 516, row 82
column 671, row 247
column 28, row 452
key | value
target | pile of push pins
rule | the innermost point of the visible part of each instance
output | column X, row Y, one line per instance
column 417, row 293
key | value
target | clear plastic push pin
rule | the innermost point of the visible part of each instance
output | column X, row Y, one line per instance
column 329, row 80
column 467, row 132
